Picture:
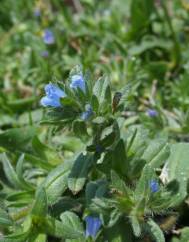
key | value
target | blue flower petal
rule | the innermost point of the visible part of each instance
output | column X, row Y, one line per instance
column 154, row 186
column 152, row 113
column 77, row 81
column 53, row 95
column 45, row 54
column 87, row 114
column 53, row 91
column 93, row 225
column 46, row 101
column 37, row 12
column 48, row 37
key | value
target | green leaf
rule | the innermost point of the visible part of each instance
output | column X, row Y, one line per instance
column 110, row 214
column 19, row 172
column 108, row 136
column 73, row 224
column 150, row 44
column 94, row 103
column 113, row 217
column 17, row 237
column 102, row 91
column 185, row 234
column 80, row 129
column 19, row 199
column 17, row 138
column 119, row 158
column 178, row 168
column 11, row 174
column 69, row 102
column 45, row 152
column 156, row 153
column 5, row 220
column 118, row 184
column 9, row 171
column 120, row 232
column 156, row 231
column 95, row 189
column 136, row 166
column 56, row 181
column 69, row 227
column 137, row 139
column 20, row 236
column 135, row 225
column 79, row 172
column 60, row 115
column 40, row 205
column 38, row 238
column 39, row 147
column 38, row 162
column 21, row 104
column 141, row 11
column 142, row 188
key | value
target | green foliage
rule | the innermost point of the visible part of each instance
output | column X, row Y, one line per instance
column 156, row 231
column 178, row 168
column 79, row 172
column 115, row 152
column 140, row 16
column 18, row 138
column 68, row 227
column 184, row 235
column 5, row 220
column 56, row 182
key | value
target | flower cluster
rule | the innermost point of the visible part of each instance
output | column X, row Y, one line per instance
column 54, row 93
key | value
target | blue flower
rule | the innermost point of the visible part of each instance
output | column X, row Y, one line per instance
column 77, row 81
column 53, row 95
column 93, row 225
column 37, row 12
column 48, row 37
column 45, row 54
column 154, row 186
column 152, row 113
column 87, row 114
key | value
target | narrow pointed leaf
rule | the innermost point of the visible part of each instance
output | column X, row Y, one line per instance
column 79, row 172
column 56, row 181
column 156, row 231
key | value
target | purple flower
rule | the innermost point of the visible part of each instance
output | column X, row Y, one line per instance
column 48, row 37
column 45, row 54
column 37, row 12
column 154, row 186
column 93, row 225
column 77, row 81
column 152, row 113
column 53, row 95
column 87, row 114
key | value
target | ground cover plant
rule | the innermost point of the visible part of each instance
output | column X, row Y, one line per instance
column 94, row 121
